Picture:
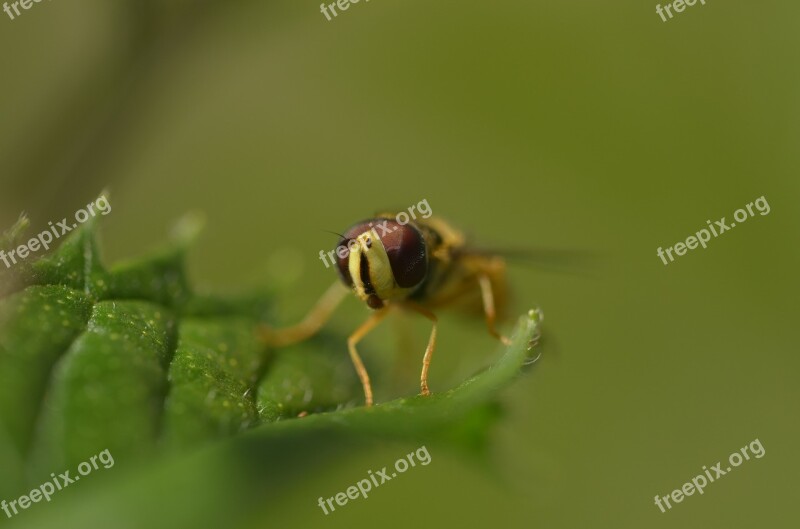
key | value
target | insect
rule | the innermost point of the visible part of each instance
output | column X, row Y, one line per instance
column 418, row 266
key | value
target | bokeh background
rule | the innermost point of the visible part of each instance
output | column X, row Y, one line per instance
column 581, row 125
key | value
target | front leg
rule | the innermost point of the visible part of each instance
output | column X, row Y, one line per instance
column 353, row 340
column 426, row 360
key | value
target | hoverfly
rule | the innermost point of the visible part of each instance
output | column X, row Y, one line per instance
column 418, row 266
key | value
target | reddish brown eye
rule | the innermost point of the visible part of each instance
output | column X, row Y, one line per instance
column 343, row 263
column 407, row 253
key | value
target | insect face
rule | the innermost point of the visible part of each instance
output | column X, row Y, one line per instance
column 382, row 260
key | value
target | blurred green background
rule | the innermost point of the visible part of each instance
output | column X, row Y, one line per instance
column 583, row 125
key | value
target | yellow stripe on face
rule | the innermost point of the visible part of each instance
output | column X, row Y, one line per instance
column 354, row 267
column 379, row 268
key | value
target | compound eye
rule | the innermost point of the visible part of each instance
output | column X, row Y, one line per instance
column 343, row 263
column 407, row 253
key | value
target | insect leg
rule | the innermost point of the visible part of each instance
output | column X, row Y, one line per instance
column 312, row 323
column 488, row 307
column 353, row 340
column 426, row 360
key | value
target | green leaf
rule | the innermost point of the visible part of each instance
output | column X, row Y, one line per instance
column 131, row 360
